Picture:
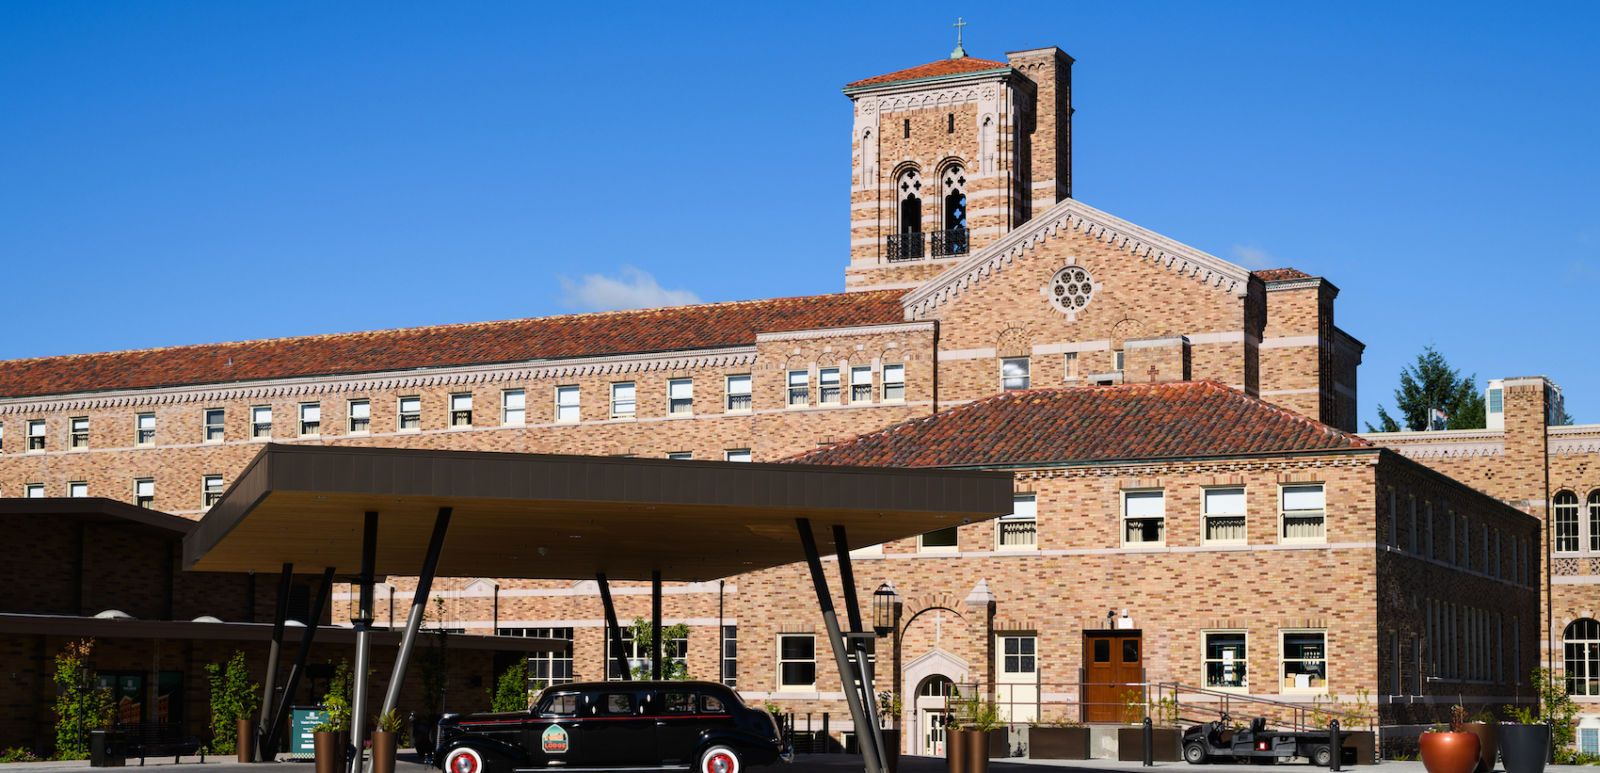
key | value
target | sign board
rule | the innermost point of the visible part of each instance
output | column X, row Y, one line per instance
column 302, row 721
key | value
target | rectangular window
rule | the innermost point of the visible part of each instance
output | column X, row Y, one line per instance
column 144, row 429
column 213, row 425
column 1014, row 373
column 1224, row 515
column 1412, row 544
column 513, row 407
column 1496, row 404
column 310, row 419
column 410, row 413
column 78, row 489
column 1020, row 529
column 799, row 389
column 797, row 661
column 622, row 402
column 36, row 435
column 461, row 410
column 1394, row 525
column 828, row 386
column 144, row 492
column 1116, row 360
column 730, row 655
column 1144, row 518
column 1302, row 509
column 737, row 455
column 1072, row 365
column 546, row 668
column 33, row 491
column 680, row 455
column 567, row 404
column 861, row 384
column 78, row 432
column 938, row 541
column 1305, row 661
column 674, row 650
column 211, row 489
column 894, row 382
column 680, row 397
column 1018, row 655
column 1224, row 653
column 261, row 421
column 738, row 391
column 360, row 413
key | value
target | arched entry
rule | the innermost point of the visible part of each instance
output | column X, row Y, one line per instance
column 932, row 704
column 930, row 678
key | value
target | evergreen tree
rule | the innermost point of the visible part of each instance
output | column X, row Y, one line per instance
column 1432, row 383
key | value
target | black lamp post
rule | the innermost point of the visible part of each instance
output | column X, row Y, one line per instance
column 884, row 601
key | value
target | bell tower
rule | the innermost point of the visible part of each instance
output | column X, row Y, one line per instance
column 949, row 156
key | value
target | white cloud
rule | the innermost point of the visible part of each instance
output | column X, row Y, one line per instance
column 1252, row 257
column 633, row 289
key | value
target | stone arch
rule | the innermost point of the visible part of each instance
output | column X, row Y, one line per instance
column 1013, row 342
column 933, row 664
column 869, row 158
column 1126, row 328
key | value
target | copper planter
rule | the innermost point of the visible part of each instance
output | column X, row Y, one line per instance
column 1449, row 752
column 384, row 746
column 247, row 740
column 329, row 748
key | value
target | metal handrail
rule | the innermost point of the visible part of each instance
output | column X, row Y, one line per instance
column 910, row 245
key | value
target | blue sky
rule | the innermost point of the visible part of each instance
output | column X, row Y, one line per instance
column 187, row 172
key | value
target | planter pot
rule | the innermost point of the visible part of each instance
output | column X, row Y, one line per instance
column 1058, row 743
column 329, row 752
column 999, row 742
column 955, row 750
column 1165, row 744
column 977, row 751
column 1361, row 744
column 1487, row 746
column 384, row 746
column 1524, row 748
column 1449, row 752
column 247, row 740
column 891, row 749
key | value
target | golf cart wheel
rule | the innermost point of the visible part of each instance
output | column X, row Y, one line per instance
column 1194, row 754
column 1322, row 756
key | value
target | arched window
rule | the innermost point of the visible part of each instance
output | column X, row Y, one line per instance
column 1582, row 640
column 906, row 244
column 1594, row 520
column 936, row 686
column 1566, row 522
column 953, row 187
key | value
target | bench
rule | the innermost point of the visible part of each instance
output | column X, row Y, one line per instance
column 157, row 739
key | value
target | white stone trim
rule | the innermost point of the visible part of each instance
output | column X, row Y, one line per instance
column 1280, row 342
column 889, row 286
column 1072, row 215
column 1155, row 343
column 841, row 332
column 1306, row 391
column 1225, row 337
column 967, row 354
column 1072, row 346
column 1303, row 283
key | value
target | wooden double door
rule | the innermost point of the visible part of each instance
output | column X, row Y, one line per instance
column 1113, row 675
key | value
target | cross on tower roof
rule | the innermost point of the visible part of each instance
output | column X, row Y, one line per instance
column 959, row 53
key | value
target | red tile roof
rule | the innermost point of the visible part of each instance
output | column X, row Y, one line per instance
column 1090, row 424
column 942, row 67
column 1281, row 274
column 575, row 335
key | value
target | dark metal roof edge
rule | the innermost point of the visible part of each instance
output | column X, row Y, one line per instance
column 96, row 507
column 67, row 625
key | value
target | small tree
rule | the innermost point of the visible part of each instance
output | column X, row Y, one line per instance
column 80, row 706
column 233, row 697
column 1432, row 383
column 644, row 634
column 510, row 691
column 337, row 700
column 1557, row 708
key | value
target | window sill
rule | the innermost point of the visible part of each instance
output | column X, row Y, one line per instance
column 1018, row 548
column 947, row 551
column 1317, row 541
column 1225, row 543
column 1144, row 545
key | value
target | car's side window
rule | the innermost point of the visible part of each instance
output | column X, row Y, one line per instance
column 711, row 704
column 563, row 705
column 619, row 703
column 678, row 703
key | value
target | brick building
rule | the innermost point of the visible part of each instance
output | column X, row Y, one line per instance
column 971, row 272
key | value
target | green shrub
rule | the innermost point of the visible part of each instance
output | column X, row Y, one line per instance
column 510, row 691
column 233, row 697
column 77, row 698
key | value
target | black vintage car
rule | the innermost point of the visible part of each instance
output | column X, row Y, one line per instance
column 699, row 725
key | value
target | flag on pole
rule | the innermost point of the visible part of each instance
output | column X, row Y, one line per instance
column 1438, row 419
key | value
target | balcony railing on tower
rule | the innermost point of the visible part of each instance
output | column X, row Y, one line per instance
column 940, row 244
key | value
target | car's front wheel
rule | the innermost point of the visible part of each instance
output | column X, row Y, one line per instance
column 717, row 759
column 464, row 760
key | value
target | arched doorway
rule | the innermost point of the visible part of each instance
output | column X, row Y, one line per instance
column 932, row 707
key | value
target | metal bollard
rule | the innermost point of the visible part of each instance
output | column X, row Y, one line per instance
column 1149, row 744
column 1333, row 744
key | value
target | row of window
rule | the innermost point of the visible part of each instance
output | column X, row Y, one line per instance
column 1015, row 371
column 1415, row 532
column 144, row 490
column 737, row 398
column 548, row 668
column 1572, row 533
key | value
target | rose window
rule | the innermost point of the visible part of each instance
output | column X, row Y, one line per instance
column 1070, row 289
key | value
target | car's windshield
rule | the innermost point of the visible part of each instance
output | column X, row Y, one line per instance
column 557, row 704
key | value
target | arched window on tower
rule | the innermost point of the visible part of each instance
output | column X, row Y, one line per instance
column 953, row 188
column 907, row 243
column 1582, row 643
column 1565, row 506
column 1594, row 520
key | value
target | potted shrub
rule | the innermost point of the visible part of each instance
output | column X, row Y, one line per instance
column 889, row 715
column 1483, row 725
column 1525, row 741
column 1061, row 738
column 327, row 740
column 331, row 739
column 1450, row 749
column 970, row 734
column 386, row 741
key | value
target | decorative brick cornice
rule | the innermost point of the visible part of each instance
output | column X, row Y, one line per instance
column 742, row 356
column 1575, row 440
column 846, row 332
column 1074, row 216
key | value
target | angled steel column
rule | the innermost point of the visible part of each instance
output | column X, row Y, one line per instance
column 363, row 625
column 860, row 642
column 419, row 606
column 270, row 683
column 830, row 620
column 611, row 626
column 655, row 625
column 269, row 742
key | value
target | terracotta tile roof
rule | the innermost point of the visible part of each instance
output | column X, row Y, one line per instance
column 942, row 67
column 481, row 343
column 1281, row 274
column 1090, row 424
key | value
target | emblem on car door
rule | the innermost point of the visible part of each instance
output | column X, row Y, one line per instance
column 554, row 740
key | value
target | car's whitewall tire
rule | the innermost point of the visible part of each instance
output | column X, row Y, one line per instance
column 464, row 760
column 717, row 759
